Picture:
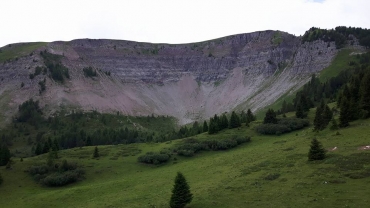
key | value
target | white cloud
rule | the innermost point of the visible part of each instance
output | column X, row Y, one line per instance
column 171, row 21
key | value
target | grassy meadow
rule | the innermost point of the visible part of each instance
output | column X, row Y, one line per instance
column 269, row 171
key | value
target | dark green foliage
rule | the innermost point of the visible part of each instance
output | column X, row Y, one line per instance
column 89, row 72
column 270, row 117
column 53, row 62
column 234, row 121
column 181, row 194
column 224, row 122
column 205, row 126
column 317, row 152
column 213, row 126
column 302, row 106
column 42, row 86
column 191, row 146
column 345, row 114
column 365, row 95
column 334, row 125
column 339, row 35
column 96, row 152
column 4, row 155
column 322, row 117
column 284, row 125
column 57, row 174
column 154, row 158
column 250, row 116
column 30, row 112
column 1, row 179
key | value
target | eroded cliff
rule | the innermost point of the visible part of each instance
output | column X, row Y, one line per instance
column 188, row 81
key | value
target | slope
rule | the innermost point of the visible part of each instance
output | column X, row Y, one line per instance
column 269, row 171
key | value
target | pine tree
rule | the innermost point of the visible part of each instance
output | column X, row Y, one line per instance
column 181, row 194
column 234, row 121
column 96, row 152
column 38, row 150
column 243, row 117
column 250, row 116
column 334, row 125
column 4, row 155
column 365, row 95
column 344, row 115
column 224, row 122
column 270, row 117
column 317, row 152
column 205, row 126
column 318, row 121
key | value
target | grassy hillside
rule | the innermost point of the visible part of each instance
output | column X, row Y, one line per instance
column 13, row 51
column 339, row 63
column 270, row 171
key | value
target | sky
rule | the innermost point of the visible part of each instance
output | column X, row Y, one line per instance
column 170, row 21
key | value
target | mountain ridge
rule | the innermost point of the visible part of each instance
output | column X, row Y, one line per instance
column 188, row 81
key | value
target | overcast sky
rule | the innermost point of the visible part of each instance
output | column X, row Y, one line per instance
column 170, row 21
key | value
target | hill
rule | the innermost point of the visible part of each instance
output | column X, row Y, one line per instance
column 240, row 71
column 268, row 171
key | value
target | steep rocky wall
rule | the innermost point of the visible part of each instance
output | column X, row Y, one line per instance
column 189, row 81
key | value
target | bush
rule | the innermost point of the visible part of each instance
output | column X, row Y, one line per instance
column 154, row 158
column 89, row 72
column 63, row 178
column 284, row 125
column 57, row 175
column 190, row 147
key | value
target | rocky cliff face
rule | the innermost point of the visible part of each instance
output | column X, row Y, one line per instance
column 189, row 81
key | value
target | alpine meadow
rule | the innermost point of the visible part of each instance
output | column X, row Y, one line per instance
column 262, row 119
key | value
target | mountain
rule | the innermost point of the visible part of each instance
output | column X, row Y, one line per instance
column 188, row 81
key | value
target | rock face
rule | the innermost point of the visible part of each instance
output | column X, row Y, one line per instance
column 188, row 81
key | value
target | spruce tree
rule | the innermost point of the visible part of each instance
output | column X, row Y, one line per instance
column 224, row 122
column 318, row 121
column 234, row 121
column 365, row 95
column 181, row 194
column 96, row 152
column 250, row 116
column 270, row 117
column 317, row 152
column 344, row 115
column 334, row 125
column 205, row 126
column 243, row 117
column 4, row 155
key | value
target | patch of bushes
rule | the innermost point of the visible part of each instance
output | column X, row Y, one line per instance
column 154, row 158
column 53, row 62
column 284, row 125
column 56, row 175
column 192, row 146
column 272, row 176
column 89, row 72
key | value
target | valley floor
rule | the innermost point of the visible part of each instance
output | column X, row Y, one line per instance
column 270, row 171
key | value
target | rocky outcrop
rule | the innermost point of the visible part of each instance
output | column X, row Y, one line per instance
column 189, row 81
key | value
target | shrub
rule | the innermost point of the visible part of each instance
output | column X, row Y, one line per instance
column 153, row 158
column 63, row 178
column 284, row 125
column 89, row 72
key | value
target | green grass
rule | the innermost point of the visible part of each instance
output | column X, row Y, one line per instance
column 339, row 63
column 18, row 50
column 270, row 171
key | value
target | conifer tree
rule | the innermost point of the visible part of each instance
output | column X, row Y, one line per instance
column 243, row 117
column 318, row 121
column 365, row 95
column 270, row 117
column 96, row 152
column 250, row 116
column 334, row 125
column 205, row 126
column 181, row 194
column 317, row 152
column 344, row 115
column 4, row 155
column 234, row 121
column 1, row 179
column 224, row 122
column 38, row 150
